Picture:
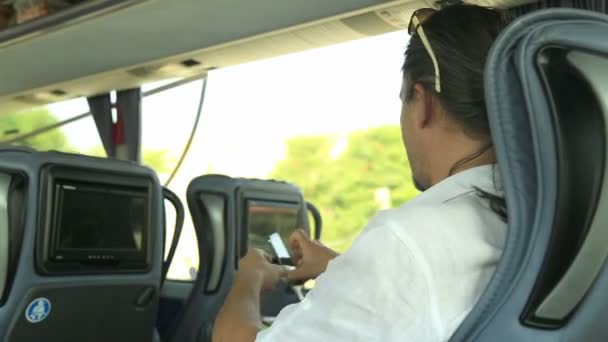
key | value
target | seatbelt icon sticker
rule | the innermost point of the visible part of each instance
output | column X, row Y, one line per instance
column 38, row 310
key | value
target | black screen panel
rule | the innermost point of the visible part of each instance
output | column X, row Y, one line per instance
column 99, row 218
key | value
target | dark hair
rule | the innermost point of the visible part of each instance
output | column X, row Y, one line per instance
column 460, row 37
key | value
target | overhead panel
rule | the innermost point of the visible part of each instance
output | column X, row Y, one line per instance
column 155, row 30
column 341, row 26
column 178, row 38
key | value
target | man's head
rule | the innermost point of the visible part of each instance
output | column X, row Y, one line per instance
column 444, row 122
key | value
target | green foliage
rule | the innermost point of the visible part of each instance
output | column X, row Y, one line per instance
column 12, row 125
column 16, row 124
column 159, row 160
column 345, row 189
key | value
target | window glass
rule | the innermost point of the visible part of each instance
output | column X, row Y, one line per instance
column 167, row 122
column 78, row 136
column 326, row 119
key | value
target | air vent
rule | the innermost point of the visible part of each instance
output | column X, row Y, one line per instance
column 42, row 97
column 145, row 71
column 58, row 92
column 31, row 99
column 369, row 24
column 164, row 70
column 189, row 63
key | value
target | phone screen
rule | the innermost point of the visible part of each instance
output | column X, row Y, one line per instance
column 279, row 247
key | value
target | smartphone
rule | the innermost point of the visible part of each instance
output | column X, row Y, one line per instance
column 280, row 250
column 284, row 258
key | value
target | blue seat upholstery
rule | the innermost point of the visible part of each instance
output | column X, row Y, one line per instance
column 110, row 303
column 547, row 99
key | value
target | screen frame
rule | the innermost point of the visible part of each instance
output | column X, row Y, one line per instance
column 58, row 253
column 265, row 191
column 277, row 204
column 89, row 261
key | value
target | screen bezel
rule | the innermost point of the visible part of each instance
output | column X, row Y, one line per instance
column 85, row 262
column 264, row 190
column 59, row 254
column 248, row 202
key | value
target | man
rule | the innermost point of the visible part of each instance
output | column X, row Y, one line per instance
column 416, row 271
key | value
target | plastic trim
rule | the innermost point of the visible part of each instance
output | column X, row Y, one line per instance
column 5, row 182
column 215, row 206
column 577, row 281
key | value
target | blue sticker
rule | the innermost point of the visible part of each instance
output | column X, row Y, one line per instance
column 38, row 310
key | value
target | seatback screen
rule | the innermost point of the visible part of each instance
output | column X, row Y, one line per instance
column 265, row 219
column 99, row 220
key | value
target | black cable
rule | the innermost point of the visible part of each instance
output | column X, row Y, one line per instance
column 316, row 216
column 179, row 224
column 469, row 158
column 44, row 129
column 191, row 138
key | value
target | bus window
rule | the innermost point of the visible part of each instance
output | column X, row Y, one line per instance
column 40, row 129
column 326, row 119
column 167, row 122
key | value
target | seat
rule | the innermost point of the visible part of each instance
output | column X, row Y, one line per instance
column 547, row 99
column 213, row 214
column 49, row 296
column 219, row 206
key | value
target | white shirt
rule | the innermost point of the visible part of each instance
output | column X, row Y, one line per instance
column 413, row 274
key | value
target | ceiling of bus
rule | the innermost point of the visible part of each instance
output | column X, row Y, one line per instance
column 140, row 43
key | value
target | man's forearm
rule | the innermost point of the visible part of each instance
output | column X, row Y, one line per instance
column 239, row 319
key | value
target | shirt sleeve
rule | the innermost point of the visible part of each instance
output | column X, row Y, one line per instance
column 376, row 291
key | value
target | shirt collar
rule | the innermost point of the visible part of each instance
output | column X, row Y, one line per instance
column 485, row 177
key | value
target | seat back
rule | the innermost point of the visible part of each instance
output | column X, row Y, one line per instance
column 60, row 282
column 221, row 209
column 213, row 215
column 547, row 99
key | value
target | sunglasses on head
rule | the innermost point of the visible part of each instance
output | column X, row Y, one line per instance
column 415, row 27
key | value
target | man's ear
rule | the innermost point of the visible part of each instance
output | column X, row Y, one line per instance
column 425, row 105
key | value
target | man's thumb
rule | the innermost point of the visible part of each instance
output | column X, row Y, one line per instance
column 300, row 239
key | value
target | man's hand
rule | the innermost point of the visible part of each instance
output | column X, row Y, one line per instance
column 310, row 257
column 257, row 266
column 239, row 318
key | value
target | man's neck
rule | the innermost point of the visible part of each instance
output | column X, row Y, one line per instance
column 459, row 163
